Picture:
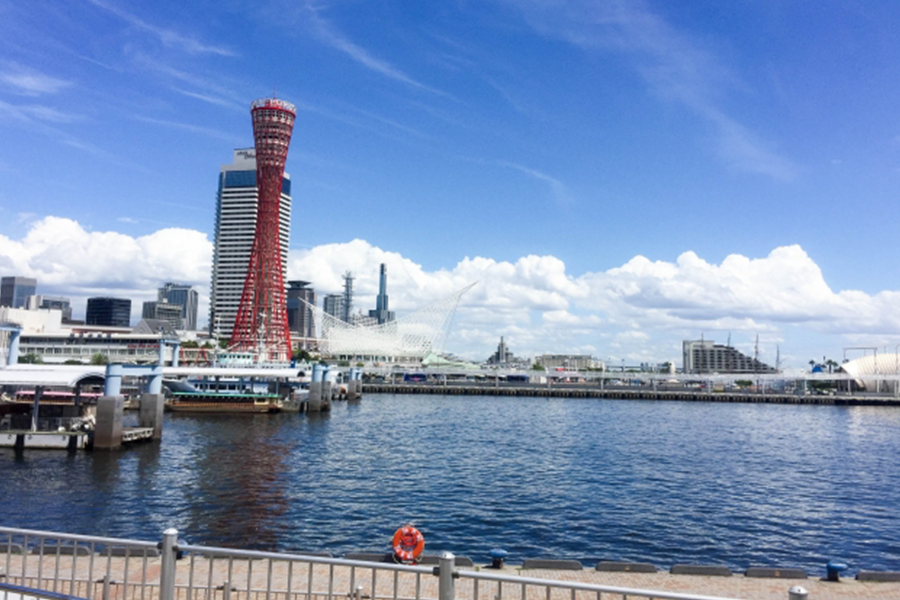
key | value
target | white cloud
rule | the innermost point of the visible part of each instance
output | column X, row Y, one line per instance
column 29, row 82
column 70, row 261
column 168, row 37
column 639, row 311
column 675, row 66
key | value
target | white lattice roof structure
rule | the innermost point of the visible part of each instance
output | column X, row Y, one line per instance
column 407, row 339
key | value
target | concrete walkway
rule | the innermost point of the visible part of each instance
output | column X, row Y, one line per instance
column 198, row 578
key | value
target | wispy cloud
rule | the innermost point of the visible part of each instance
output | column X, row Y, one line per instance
column 28, row 82
column 128, row 220
column 329, row 35
column 212, row 99
column 205, row 89
column 557, row 188
column 674, row 65
column 30, row 113
column 168, row 37
column 214, row 133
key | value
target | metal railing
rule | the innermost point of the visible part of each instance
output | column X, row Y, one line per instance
column 99, row 568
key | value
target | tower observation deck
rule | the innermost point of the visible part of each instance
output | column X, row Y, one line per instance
column 261, row 325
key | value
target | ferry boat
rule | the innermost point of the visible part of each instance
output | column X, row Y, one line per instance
column 217, row 402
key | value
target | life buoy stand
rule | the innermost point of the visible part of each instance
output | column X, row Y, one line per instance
column 408, row 545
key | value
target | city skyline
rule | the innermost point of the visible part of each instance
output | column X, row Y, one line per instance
column 619, row 178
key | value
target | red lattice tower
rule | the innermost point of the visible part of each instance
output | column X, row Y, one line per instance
column 261, row 325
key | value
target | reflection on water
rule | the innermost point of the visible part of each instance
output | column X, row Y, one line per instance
column 586, row 479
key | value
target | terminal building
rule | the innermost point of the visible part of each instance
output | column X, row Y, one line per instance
column 45, row 337
column 705, row 356
column 235, row 227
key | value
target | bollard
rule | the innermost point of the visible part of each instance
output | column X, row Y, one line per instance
column 226, row 590
column 167, row 564
column 359, row 592
column 798, row 592
column 106, row 587
column 833, row 570
column 497, row 555
column 446, row 575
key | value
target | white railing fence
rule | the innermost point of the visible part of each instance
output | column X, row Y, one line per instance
column 59, row 566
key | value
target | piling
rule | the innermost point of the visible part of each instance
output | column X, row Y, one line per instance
column 151, row 413
column 108, row 428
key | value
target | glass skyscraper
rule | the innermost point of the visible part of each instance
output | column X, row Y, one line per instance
column 14, row 291
column 184, row 296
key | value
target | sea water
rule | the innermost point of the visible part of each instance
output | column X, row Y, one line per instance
column 661, row 482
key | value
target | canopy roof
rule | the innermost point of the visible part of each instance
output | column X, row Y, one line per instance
column 67, row 376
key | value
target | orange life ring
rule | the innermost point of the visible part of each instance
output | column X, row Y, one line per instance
column 408, row 544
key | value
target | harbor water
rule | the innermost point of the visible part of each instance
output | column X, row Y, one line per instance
column 662, row 482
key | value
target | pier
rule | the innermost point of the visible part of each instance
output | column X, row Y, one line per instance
column 634, row 393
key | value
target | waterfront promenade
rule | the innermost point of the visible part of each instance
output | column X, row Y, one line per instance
column 200, row 578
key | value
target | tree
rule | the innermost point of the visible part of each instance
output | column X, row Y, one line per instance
column 31, row 358
column 360, row 364
column 72, row 361
column 344, row 363
column 537, row 367
column 190, row 344
column 223, row 344
column 301, row 355
column 99, row 359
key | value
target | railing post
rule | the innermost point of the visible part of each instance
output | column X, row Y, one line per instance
column 226, row 591
column 447, row 575
column 167, row 569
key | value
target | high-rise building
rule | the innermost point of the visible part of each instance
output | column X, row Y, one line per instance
column 162, row 310
column 115, row 312
column 14, row 291
column 300, row 316
column 333, row 304
column 502, row 356
column 381, row 314
column 51, row 302
column 186, row 297
column 347, row 304
column 236, row 210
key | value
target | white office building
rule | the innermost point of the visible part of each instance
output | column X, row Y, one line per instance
column 236, row 208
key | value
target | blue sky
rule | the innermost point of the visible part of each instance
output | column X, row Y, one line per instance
column 581, row 134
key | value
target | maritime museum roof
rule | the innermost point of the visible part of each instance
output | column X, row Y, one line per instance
column 408, row 338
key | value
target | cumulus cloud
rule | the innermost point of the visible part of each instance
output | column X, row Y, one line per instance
column 639, row 311
column 70, row 261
